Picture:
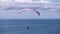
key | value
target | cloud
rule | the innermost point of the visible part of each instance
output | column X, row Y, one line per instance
column 5, row 4
column 23, row 1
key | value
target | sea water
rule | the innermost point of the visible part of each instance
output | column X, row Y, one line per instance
column 36, row 26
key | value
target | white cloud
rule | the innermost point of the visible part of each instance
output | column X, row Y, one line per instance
column 44, row 1
column 5, row 4
column 23, row 1
column 6, row 0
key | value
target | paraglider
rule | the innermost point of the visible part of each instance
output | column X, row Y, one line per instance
column 37, row 12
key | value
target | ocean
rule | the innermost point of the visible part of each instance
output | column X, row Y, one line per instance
column 29, row 26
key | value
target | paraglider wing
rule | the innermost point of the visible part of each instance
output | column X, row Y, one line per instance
column 36, row 11
column 20, row 11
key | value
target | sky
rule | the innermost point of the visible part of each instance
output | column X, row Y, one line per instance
column 29, row 14
column 32, row 0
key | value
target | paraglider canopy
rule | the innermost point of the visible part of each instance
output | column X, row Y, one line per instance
column 37, row 12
